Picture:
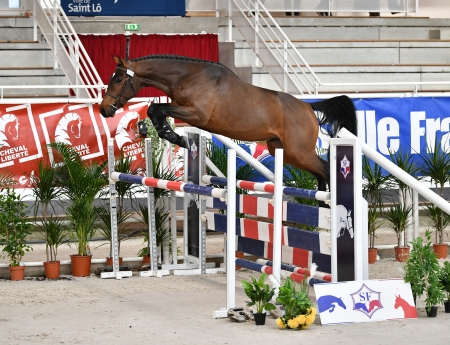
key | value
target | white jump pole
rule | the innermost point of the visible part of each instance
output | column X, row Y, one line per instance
column 399, row 173
column 277, row 218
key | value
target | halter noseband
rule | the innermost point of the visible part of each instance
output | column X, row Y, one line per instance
column 130, row 75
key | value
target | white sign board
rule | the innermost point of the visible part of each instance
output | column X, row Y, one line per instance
column 364, row 301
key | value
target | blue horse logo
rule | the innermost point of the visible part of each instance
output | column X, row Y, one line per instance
column 329, row 302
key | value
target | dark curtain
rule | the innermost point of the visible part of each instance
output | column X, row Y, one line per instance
column 204, row 46
column 101, row 48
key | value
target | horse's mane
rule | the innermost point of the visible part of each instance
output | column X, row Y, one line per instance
column 177, row 57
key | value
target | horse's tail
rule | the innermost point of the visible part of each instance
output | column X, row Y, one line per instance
column 338, row 112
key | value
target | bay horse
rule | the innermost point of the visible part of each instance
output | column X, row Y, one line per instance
column 210, row 96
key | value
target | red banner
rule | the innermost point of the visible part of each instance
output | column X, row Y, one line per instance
column 26, row 130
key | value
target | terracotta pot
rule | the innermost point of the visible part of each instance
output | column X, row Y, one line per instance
column 239, row 255
column 441, row 250
column 109, row 261
column 401, row 253
column 146, row 259
column 81, row 265
column 373, row 252
column 52, row 269
column 17, row 272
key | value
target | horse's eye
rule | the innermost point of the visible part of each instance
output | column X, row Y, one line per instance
column 118, row 80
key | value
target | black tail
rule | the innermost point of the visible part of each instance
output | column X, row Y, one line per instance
column 338, row 112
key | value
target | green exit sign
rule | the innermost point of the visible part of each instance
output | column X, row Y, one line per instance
column 132, row 27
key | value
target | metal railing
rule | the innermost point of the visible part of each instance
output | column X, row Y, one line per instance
column 67, row 48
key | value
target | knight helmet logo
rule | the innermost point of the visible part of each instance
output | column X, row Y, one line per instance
column 125, row 127
column 9, row 129
column 193, row 150
column 345, row 166
column 68, row 128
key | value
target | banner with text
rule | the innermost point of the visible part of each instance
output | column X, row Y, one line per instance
column 124, row 7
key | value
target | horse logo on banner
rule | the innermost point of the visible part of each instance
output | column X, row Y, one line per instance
column 345, row 221
column 125, row 128
column 68, row 128
column 9, row 129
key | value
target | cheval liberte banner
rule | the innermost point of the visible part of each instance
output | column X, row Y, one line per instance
column 25, row 130
column 124, row 7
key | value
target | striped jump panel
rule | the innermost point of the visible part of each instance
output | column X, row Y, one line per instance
column 292, row 212
column 314, row 241
column 289, row 255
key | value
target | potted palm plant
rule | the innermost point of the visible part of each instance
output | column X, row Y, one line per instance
column 398, row 215
column 422, row 270
column 80, row 183
column 52, row 228
column 445, row 280
column 260, row 295
column 436, row 165
column 375, row 184
column 14, row 229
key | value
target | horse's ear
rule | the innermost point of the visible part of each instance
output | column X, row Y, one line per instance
column 119, row 61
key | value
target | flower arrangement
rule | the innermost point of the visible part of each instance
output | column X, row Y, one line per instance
column 299, row 310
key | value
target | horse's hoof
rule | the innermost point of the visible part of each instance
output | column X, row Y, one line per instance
column 183, row 142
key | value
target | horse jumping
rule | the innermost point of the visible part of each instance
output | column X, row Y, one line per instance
column 211, row 97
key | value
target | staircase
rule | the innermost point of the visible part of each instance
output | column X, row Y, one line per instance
column 26, row 61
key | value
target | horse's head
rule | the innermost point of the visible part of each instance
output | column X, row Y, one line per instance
column 122, row 87
column 398, row 300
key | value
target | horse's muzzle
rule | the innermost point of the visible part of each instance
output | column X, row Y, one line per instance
column 109, row 113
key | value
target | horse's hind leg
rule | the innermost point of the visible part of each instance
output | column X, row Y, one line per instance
column 165, row 131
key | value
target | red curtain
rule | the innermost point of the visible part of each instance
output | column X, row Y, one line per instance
column 204, row 46
column 101, row 48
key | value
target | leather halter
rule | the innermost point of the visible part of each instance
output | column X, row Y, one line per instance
column 130, row 75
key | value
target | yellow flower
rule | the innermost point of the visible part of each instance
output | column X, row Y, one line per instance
column 292, row 323
column 310, row 319
column 280, row 323
column 300, row 319
column 312, row 311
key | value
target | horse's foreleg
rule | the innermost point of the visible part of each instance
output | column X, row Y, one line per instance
column 159, row 119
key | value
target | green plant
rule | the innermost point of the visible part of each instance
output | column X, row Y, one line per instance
column 299, row 310
column 375, row 184
column 260, row 293
column 80, row 182
column 422, row 270
column 14, row 226
column 436, row 165
column 445, row 278
column 398, row 215
column 45, row 190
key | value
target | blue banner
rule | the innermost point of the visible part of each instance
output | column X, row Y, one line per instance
column 124, row 7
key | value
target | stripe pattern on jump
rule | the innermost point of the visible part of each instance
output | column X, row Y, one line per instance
column 262, row 207
column 297, row 277
column 269, row 187
column 170, row 185
column 319, row 242
column 300, row 270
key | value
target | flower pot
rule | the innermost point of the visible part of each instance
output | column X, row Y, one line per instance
column 373, row 252
column 52, row 269
column 81, row 265
column 17, row 272
column 432, row 312
column 401, row 253
column 147, row 259
column 109, row 261
column 447, row 306
column 260, row 318
column 440, row 250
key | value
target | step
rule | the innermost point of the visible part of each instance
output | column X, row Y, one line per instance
column 21, row 53
column 357, row 52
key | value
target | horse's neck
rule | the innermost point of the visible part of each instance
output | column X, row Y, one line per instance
column 160, row 71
